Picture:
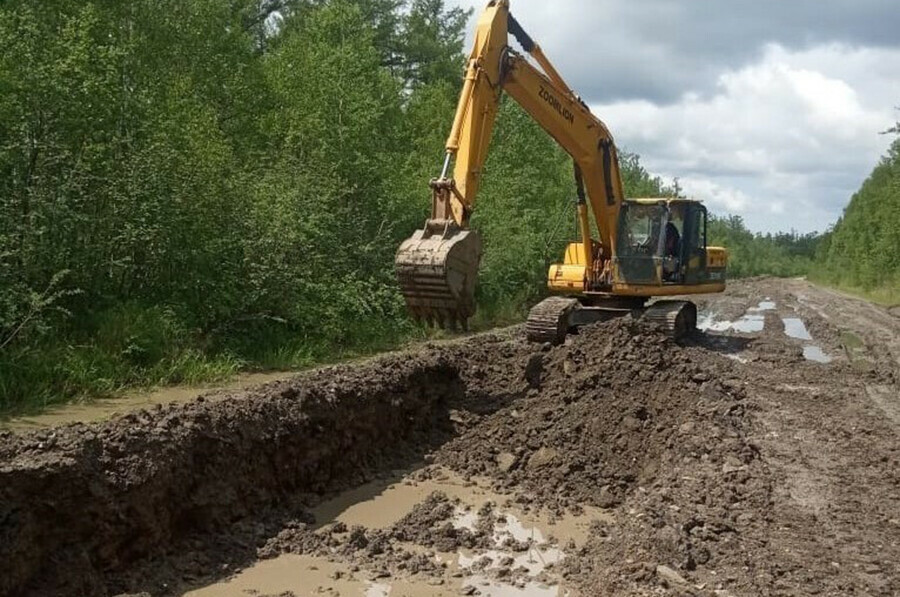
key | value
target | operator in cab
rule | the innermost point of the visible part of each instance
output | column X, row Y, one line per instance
column 672, row 253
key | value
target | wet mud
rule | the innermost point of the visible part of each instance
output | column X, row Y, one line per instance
column 619, row 463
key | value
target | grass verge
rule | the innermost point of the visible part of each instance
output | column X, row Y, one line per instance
column 886, row 295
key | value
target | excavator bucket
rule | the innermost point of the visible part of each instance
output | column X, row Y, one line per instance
column 437, row 268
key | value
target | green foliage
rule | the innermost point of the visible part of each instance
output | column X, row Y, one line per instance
column 432, row 42
column 180, row 184
column 639, row 183
column 861, row 251
column 130, row 345
column 782, row 254
column 189, row 187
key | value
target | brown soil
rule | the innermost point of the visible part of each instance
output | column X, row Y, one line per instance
column 729, row 466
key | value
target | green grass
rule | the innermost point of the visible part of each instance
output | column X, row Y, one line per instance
column 34, row 379
column 853, row 346
column 851, row 341
column 887, row 295
column 126, row 347
column 132, row 347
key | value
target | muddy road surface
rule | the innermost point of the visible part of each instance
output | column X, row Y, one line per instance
column 761, row 457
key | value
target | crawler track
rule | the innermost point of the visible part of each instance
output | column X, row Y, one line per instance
column 548, row 321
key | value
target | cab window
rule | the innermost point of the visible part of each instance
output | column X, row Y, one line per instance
column 640, row 228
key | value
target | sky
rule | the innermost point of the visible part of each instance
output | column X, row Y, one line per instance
column 767, row 109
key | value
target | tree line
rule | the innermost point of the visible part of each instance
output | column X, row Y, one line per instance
column 192, row 187
column 862, row 251
column 783, row 254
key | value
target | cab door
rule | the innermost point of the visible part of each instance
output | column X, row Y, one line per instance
column 694, row 245
column 637, row 261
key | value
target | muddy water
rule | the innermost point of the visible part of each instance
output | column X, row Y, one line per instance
column 280, row 576
column 753, row 321
column 105, row 408
column 749, row 323
column 379, row 506
column 795, row 328
column 816, row 354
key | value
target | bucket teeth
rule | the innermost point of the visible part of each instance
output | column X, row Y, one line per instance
column 437, row 269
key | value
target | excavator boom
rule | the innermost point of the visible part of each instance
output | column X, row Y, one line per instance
column 438, row 266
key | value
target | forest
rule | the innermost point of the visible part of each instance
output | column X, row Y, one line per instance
column 190, row 188
column 862, row 251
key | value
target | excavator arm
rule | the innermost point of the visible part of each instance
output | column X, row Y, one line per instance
column 437, row 267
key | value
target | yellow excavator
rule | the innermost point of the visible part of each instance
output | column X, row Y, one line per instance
column 646, row 248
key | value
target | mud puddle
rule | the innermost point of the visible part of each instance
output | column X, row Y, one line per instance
column 816, row 354
column 291, row 574
column 106, row 408
column 517, row 559
column 533, row 563
column 795, row 328
column 752, row 322
column 749, row 323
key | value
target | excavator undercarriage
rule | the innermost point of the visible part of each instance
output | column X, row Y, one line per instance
column 554, row 318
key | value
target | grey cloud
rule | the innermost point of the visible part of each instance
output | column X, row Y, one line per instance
column 768, row 109
column 660, row 49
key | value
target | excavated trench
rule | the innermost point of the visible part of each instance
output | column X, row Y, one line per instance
column 654, row 436
column 84, row 508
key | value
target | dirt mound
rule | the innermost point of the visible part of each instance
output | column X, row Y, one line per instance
column 622, row 416
column 606, row 413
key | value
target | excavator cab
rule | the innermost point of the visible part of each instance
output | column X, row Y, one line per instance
column 663, row 243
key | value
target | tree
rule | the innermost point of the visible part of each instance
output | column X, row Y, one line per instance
column 432, row 39
column 862, row 248
column 638, row 182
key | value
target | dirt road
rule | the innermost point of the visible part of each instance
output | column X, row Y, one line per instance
column 761, row 458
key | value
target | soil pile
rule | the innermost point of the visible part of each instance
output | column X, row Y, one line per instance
column 606, row 412
column 622, row 416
